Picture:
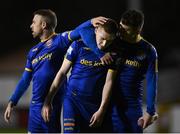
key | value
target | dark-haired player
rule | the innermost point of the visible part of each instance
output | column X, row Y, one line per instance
column 86, row 101
column 136, row 60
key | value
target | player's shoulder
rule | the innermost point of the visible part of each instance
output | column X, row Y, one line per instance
column 148, row 45
column 79, row 43
column 77, row 46
column 34, row 49
column 58, row 36
column 151, row 50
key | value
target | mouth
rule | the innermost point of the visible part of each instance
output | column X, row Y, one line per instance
column 100, row 47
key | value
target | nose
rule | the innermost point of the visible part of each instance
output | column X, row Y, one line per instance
column 104, row 43
column 31, row 26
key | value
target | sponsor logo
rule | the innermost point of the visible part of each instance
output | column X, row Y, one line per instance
column 91, row 63
column 41, row 58
column 132, row 63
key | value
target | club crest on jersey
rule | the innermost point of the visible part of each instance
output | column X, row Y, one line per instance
column 49, row 43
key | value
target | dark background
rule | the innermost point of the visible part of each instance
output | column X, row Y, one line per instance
column 161, row 21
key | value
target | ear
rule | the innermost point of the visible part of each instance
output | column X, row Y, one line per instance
column 44, row 24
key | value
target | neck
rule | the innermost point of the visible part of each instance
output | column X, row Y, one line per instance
column 134, row 39
column 47, row 34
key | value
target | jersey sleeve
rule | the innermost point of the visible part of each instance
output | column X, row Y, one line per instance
column 24, row 82
column 152, row 78
column 86, row 32
column 88, row 36
column 72, row 52
column 69, row 36
column 21, row 87
column 28, row 66
column 75, row 34
column 118, row 61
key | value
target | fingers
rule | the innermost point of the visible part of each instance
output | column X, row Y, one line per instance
column 103, row 62
column 110, row 59
column 45, row 114
column 98, row 20
column 92, row 121
column 147, row 120
column 155, row 117
column 7, row 116
column 7, row 113
column 101, row 20
column 145, row 124
column 106, row 59
column 95, row 121
column 141, row 121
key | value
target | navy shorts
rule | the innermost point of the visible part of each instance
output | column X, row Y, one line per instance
column 36, row 123
column 125, row 120
column 78, row 110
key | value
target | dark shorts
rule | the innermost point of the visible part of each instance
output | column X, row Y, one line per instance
column 126, row 120
column 78, row 110
column 36, row 123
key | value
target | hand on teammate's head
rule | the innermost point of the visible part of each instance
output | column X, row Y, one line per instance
column 98, row 20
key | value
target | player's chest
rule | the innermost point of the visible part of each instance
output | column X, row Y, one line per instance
column 45, row 54
column 88, row 58
column 133, row 58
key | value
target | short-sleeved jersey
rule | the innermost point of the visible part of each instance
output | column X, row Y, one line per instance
column 136, row 61
column 88, row 74
column 44, row 60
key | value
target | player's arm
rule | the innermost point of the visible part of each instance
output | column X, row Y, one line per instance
column 97, row 118
column 73, row 35
column 88, row 37
column 94, row 22
column 151, row 77
column 19, row 91
column 67, row 63
column 61, row 75
column 85, row 32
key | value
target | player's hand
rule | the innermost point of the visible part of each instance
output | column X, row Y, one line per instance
column 46, row 112
column 98, row 20
column 106, row 59
column 97, row 119
column 7, row 113
column 147, row 120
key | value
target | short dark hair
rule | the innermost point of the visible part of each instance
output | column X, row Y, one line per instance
column 110, row 26
column 49, row 16
column 133, row 18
